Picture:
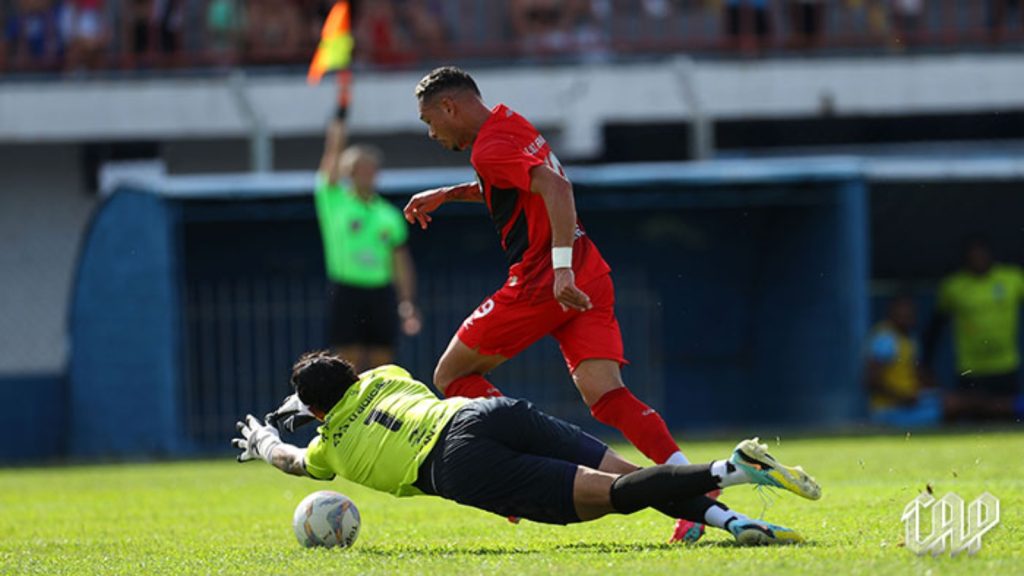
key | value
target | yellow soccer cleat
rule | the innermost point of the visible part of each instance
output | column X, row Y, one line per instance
column 760, row 533
column 753, row 458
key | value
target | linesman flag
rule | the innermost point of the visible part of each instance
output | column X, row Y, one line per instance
column 335, row 49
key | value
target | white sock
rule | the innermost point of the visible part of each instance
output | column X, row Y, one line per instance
column 720, row 517
column 728, row 474
column 677, row 459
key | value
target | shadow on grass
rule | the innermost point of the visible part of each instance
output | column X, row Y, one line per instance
column 578, row 547
column 392, row 551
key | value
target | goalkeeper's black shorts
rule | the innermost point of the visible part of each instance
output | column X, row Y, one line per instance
column 505, row 456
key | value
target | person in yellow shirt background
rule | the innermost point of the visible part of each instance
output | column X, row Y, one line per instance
column 900, row 392
column 982, row 301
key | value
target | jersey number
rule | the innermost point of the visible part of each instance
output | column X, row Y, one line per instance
column 384, row 419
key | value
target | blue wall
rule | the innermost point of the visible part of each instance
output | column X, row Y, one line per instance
column 125, row 372
column 741, row 303
column 35, row 416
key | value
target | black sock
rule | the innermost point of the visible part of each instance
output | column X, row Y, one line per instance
column 666, row 488
column 692, row 509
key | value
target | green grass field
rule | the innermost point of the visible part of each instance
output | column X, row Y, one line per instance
column 222, row 517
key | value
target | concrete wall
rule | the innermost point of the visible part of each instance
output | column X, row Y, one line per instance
column 576, row 100
column 43, row 211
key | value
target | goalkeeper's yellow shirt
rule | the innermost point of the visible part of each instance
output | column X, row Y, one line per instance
column 984, row 310
column 380, row 432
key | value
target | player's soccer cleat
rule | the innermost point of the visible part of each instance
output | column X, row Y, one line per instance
column 753, row 458
column 686, row 532
column 761, row 533
column 690, row 532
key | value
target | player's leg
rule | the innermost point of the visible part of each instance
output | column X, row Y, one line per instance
column 345, row 324
column 500, row 328
column 354, row 353
column 676, row 491
column 380, row 327
column 461, row 369
column 520, row 426
column 592, row 345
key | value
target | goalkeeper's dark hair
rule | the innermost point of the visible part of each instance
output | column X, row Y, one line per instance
column 321, row 378
column 445, row 79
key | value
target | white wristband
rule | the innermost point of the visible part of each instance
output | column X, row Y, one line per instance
column 561, row 257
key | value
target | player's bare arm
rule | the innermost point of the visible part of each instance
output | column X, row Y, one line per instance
column 419, row 207
column 334, row 143
column 290, row 460
column 561, row 207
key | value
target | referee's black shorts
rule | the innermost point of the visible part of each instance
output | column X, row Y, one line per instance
column 505, row 456
column 362, row 316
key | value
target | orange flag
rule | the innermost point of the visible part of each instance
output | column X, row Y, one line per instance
column 335, row 49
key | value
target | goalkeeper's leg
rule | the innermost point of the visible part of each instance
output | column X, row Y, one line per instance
column 678, row 492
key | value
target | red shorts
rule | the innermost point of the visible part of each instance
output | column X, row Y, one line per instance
column 506, row 325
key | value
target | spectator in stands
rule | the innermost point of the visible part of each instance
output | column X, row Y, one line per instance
column 543, row 27
column 747, row 24
column 4, row 10
column 225, row 28
column 422, row 19
column 900, row 394
column 275, row 30
column 152, row 28
column 906, row 18
column 367, row 261
column 540, row 26
column 998, row 16
column 33, row 34
column 806, row 22
column 983, row 300
column 85, row 35
column 379, row 40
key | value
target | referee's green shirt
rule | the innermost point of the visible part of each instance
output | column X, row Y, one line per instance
column 359, row 237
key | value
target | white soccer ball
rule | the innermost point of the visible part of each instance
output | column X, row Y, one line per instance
column 326, row 518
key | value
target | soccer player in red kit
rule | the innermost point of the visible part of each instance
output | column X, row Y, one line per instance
column 557, row 284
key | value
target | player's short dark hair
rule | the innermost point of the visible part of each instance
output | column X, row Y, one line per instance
column 321, row 378
column 445, row 79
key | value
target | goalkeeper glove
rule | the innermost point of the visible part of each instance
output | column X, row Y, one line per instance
column 258, row 440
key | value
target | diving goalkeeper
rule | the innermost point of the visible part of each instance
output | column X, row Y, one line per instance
column 389, row 432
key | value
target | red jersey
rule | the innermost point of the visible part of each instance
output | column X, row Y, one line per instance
column 505, row 150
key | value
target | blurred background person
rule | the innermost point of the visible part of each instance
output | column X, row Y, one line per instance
column 423, row 20
column 225, row 29
column 368, row 263
column 806, row 23
column 983, row 301
column 274, row 30
column 85, row 35
column 907, row 18
column 33, row 33
column 378, row 37
column 1000, row 14
column 747, row 24
column 899, row 391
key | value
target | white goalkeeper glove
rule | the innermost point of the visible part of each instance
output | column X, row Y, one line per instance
column 257, row 441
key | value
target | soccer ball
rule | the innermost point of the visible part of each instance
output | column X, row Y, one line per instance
column 326, row 518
